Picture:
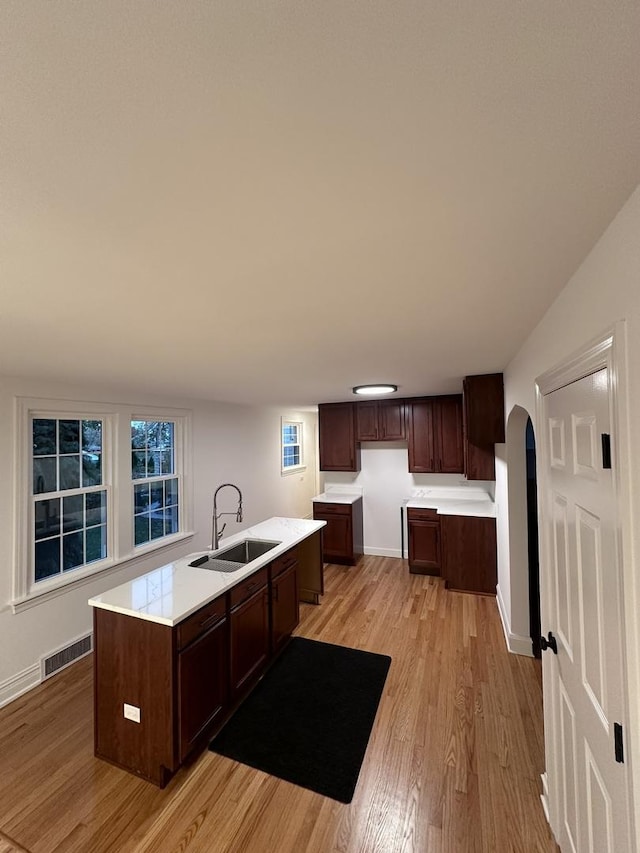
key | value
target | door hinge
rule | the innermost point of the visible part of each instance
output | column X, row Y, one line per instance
column 606, row 450
column 618, row 743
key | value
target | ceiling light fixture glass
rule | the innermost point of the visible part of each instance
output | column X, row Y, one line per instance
column 383, row 388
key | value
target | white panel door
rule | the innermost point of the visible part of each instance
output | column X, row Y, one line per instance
column 586, row 620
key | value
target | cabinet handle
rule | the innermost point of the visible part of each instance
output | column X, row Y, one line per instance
column 209, row 621
column 275, row 592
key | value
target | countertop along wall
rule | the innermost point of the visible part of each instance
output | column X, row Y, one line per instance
column 386, row 483
column 604, row 290
column 233, row 443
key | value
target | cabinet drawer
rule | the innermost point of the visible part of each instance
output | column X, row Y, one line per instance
column 320, row 509
column 201, row 621
column 284, row 562
column 414, row 514
column 248, row 586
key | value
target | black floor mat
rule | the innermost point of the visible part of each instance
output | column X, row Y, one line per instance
column 308, row 721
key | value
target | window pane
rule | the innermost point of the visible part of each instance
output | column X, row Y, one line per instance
column 91, row 469
column 44, row 437
column 72, row 551
column 141, row 497
column 154, row 434
column 154, row 463
column 96, row 544
column 69, row 472
column 73, row 513
column 138, row 465
column 170, row 492
column 166, row 435
column 92, row 436
column 47, row 558
column 47, row 518
column 142, row 534
column 166, row 460
column 138, row 434
column 171, row 520
column 157, row 524
column 44, row 475
column 157, row 493
column 96, row 508
column 68, row 436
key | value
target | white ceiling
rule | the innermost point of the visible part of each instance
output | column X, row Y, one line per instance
column 271, row 202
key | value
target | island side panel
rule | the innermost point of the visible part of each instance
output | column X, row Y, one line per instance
column 310, row 568
column 133, row 664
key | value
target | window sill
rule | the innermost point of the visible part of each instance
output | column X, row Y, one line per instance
column 294, row 469
column 32, row 599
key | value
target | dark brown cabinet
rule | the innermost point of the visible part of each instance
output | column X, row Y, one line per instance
column 183, row 682
column 310, row 568
column 435, row 439
column 203, row 684
column 342, row 538
column 380, row 420
column 424, row 541
column 469, row 560
column 483, row 424
column 249, row 634
column 285, row 607
column 338, row 447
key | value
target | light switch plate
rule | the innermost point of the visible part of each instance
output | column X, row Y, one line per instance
column 132, row 713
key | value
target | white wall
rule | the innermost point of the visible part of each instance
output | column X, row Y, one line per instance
column 230, row 443
column 605, row 289
column 386, row 483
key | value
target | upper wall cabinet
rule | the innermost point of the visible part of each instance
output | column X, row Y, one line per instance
column 435, row 439
column 337, row 437
column 380, row 420
column 483, row 424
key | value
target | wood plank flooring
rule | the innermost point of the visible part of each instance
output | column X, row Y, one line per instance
column 453, row 764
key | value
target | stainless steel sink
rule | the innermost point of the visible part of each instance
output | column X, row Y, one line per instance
column 235, row 556
column 246, row 551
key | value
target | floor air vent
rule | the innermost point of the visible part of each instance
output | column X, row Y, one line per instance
column 57, row 661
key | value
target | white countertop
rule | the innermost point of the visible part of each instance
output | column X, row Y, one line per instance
column 463, row 500
column 172, row 592
column 337, row 498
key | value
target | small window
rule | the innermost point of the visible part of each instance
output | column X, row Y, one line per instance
column 69, row 495
column 291, row 445
column 156, row 482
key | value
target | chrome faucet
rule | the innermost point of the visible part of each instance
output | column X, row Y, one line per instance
column 216, row 534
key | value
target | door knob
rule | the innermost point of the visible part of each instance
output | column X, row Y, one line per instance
column 549, row 642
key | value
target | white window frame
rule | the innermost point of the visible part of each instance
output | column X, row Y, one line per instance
column 291, row 469
column 116, row 475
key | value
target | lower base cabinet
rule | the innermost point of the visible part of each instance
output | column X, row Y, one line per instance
column 178, row 685
column 342, row 537
column 469, row 553
column 424, row 541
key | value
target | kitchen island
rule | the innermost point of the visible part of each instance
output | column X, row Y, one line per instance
column 177, row 649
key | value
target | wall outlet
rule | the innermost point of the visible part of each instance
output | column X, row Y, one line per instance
column 132, row 713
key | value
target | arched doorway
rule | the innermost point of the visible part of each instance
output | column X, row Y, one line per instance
column 532, row 540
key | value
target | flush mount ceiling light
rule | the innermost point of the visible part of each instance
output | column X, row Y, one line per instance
column 383, row 388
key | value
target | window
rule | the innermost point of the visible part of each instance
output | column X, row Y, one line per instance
column 291, row 445
column 95, row 485
column 68, row 494
column 156, row 488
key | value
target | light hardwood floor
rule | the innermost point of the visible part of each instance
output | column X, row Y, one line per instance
column 453, row 764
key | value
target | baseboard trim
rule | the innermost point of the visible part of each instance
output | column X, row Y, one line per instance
column 18, row 684
column 516, row 643
column 383, row 552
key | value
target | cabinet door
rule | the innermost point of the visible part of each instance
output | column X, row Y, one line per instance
column 424, row 545
column 249, row 637
column 420, row 437
column 203, row 684
column 469, row 561
column 448, row 435
column 337, row 536
column 337, row 437
column 285, row 609
column 391, row 420
column 367, row 421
